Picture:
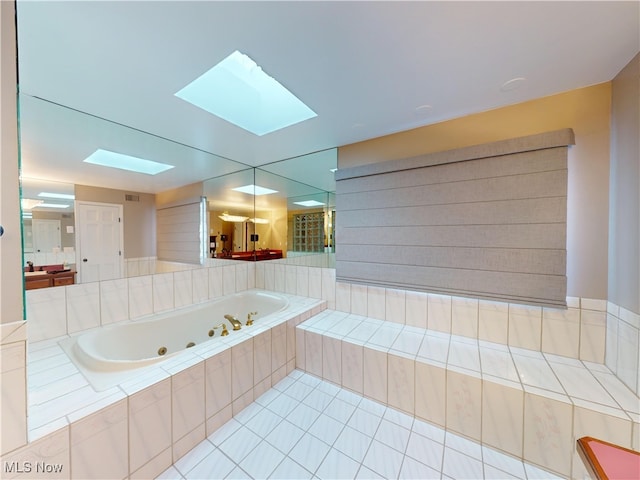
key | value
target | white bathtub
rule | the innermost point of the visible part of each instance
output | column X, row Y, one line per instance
column 136, row 344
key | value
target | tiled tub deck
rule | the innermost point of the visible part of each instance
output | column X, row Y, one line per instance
column 138, row 428
column 526, row 403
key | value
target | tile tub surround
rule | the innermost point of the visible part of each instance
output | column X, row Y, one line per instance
column 525, row 403
column 57, row 311
column 623, row 345
column 306, row 428
column 140, row 427
column 575, row 332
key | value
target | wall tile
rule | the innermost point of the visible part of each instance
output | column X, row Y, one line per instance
column 395, row 306
column 229, row 279
column 241, row 369
column 52, row 450
column 14, row 399
column 163, row 292
column 627, row 358
column 548, row 437
column 611, row 342
column 343, row 297
column 376, row 301
column 290, row 279
column 261, row 357
column 431, row 398
column 279, row 277
column 359, row 302
column 149, row 424
column 353, row 367
column 242, row 276
column 332, row 359
column 502, row 412
column 525, row 326
column 313, row 353
column 561, row 331
column 375, row 375
column 46, row 313
column 279, row 346
column 217, row 383
column 439, row 313
column 493, row 321
column 301, row 346
column 216, row 280
column 593, row 330
column 140, row 296
column 83, row 306
column 188, row 402
column 200, row 285
column 154, row 467
column 464, row 404
column 416, row 309
column 114, row 301
column 605, row 424
column 464, row 317
column 315, row 282
column 302, row 280
column 99, row 444
column 329, row 287
column 183, row 288
column 401, row 383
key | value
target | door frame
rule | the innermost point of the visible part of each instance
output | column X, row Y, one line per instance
column 76, row 206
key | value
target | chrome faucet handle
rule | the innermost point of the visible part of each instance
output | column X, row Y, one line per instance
column 249, row 319
column 224, row 333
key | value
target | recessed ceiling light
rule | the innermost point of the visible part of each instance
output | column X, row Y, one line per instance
column 64, row 196
column 254, row 190
column 240, row 92
column 309, row 203
column 512, row 84
column 106, row 158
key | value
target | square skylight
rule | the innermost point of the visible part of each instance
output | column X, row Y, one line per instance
column 126, row 162
column 254, row 190
column 309, row 203
column 240, row 92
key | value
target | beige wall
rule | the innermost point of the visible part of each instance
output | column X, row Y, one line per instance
column 11, row 295
column 587, row 112
column 624, row 210
column 139, row 217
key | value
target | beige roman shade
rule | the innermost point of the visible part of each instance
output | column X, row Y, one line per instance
column 181, row 232
column 487, row 221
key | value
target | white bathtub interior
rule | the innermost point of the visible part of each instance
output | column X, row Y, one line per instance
column 110, row 355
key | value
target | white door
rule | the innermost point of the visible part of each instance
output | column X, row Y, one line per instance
column 46, row 235
column 100, row 238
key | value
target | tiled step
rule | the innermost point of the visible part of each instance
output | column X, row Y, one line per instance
column 529, row 404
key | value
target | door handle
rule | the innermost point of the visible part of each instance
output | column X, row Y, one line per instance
column 84, row 260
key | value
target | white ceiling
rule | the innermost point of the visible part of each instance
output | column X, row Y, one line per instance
column 363, row 67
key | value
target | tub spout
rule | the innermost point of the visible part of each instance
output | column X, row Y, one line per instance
column 235, row 323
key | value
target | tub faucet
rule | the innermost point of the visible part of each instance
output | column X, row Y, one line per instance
column 235, row 323
column 250, row 318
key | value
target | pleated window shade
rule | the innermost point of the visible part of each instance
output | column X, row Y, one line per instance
column 180, row 232
column 487, row 221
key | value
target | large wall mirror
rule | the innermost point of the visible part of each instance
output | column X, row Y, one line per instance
column 289, row 213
